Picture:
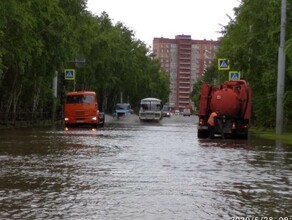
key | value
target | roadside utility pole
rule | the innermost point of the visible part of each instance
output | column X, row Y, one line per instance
column 281, row 71
column 55, row 88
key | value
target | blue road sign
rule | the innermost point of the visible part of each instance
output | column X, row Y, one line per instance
column 223, row 64
column 234, row 75
column 70, row 74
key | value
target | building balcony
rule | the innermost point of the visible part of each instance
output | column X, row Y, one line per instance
column 186, row 73
column 184, row 82
column 185, row 57
column 184, row 52
column 184, row 87
column 185, row 62
column 184, row 98
column 185, row 41
column 184, row 90
column 180, row 101
column 184, row 79
column 184, row 67
column 184, row 44
column 184, row 94
column 185, row 76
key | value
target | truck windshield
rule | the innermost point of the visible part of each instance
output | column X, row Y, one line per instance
column 123, row 106
column 75, row 99
column 151, row 105
column 165, row 108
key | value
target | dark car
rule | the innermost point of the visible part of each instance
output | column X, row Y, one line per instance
column 166, row 111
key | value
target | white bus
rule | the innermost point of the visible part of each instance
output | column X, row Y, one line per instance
column 150, row 109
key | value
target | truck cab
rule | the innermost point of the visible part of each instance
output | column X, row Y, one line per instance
column 122, row 109
column 81, row 109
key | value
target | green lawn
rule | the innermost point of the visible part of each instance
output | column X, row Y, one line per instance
column 270, row 134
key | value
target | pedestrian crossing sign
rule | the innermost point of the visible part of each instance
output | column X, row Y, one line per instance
column 223, row 64
column 69, row 74
column 234, row 75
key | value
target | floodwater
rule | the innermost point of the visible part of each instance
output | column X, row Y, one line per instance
column 133, row 170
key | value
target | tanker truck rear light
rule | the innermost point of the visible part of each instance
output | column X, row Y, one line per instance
column 201, row 122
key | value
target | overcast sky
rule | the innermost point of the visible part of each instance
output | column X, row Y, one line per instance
column 201, row 19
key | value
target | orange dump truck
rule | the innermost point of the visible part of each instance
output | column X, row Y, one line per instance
column 81, row 109
column 232, row 101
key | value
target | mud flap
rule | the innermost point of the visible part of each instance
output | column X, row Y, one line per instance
column 220, row 125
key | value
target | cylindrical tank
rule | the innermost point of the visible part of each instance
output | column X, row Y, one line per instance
column 226, row 101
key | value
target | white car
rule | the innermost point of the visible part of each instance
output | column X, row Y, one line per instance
column 187, row 112
column 176, row 112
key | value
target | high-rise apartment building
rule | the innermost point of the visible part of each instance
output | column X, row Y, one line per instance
column 184, row 60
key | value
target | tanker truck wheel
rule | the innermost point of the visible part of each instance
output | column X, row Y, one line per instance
column 243, row 135
column 203, row 133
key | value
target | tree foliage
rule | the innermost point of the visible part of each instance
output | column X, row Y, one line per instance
column 40, row 37
column 251, row 42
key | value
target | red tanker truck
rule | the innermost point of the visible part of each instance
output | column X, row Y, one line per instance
column 232, row 101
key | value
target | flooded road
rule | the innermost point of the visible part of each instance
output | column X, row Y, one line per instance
column 133, row 170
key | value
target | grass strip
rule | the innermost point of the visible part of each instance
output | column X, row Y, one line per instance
column 270, row 134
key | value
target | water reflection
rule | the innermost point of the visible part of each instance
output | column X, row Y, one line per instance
column 141, row 171
column 258, row 180
column 226, row 143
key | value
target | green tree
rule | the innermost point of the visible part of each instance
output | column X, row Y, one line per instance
column 251, row 42
column 40, row 37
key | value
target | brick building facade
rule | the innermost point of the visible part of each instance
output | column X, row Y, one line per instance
column 184, row 60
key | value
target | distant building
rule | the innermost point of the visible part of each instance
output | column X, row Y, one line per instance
column 184, row 60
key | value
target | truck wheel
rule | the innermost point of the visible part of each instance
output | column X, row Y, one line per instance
column 102, row 124
column 244, row 135
column 203, row 133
